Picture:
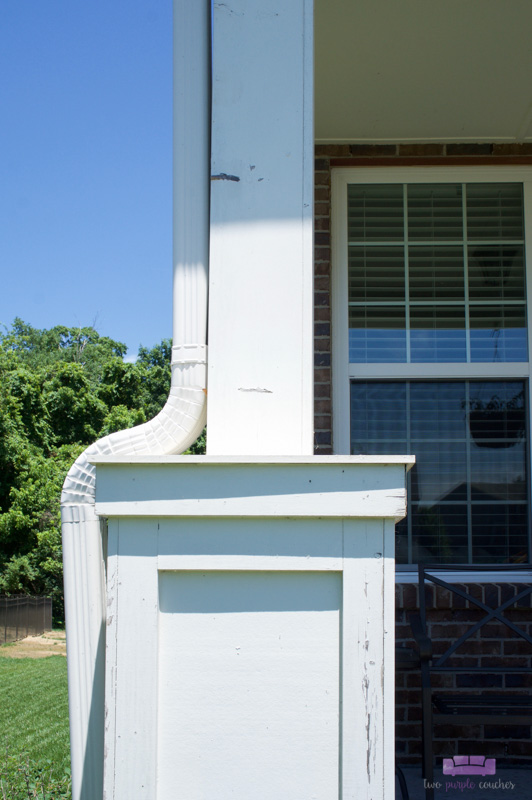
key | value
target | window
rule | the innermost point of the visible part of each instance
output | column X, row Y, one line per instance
column 431, row 349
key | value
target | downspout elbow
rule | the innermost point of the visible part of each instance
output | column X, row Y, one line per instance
column 177, row 425
column 173, row 430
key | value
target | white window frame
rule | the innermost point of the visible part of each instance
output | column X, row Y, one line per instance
column 343, row 371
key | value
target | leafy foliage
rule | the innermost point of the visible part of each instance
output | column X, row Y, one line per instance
column 60, row 390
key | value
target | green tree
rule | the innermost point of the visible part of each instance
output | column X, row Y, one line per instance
column 60, row 390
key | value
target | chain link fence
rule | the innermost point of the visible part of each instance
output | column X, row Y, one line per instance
column 22, row 616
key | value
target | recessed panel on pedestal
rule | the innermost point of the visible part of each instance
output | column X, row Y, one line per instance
column 248, row 685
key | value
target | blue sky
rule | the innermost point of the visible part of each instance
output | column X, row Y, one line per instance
column 85, row 166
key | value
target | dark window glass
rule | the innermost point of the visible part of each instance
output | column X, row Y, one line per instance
column 468, row 493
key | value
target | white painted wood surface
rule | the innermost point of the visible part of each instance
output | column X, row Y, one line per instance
column 249, row 677
column 253, row 488
column 203, row 698
column 130, row 679
column 260, row 286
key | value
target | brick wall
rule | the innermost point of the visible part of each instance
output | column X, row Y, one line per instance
column 445, row 619
column 331, row 155
column 448, row 617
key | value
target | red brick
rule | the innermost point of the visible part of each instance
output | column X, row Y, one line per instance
column 402, row 632
column 444, row 598
column 443, row 680
column 322, row 268
column 321, row 283
column 429, row 596
column 483, row 149
column 513, row 149
column 323, row 344
column 522, row 748
column 483, row 647
column 465, row 681
column 413, row 679
column 322, row 422
column 332, row 150
column 414, row 747
column 492, row 593
column 408, row 731
column 401, row 696
column 507, row 732
column 457, row 731
column 322, row 314
column 373, row 150
column 321, row 298
column 322, row 375
column 410, row 599
column 322, row 405
column 322, row 329
column 322, row 359
column 407, row 760
column 517, row 615
column 439, row 646
column 494, row 631
column 421, row 149
column 476, row 590
column 446, row 631
column 322, row 177
column 321, row 193
column 444, row 749
column 322, row 390
column 463, row 661
column 516, row 647
column 400, row 680
column 517, row 680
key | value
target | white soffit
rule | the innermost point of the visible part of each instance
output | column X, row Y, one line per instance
column 423, row 70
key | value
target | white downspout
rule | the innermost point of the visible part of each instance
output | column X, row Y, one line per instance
column 178, row 424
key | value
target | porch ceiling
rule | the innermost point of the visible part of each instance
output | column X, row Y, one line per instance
column 423, row 70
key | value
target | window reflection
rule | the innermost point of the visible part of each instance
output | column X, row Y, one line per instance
column 469, row 438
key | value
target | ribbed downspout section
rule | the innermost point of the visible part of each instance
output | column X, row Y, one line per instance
column 177, row 425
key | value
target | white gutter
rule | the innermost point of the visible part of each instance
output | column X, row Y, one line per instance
column 178, row 424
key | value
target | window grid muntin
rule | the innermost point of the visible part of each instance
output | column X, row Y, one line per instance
column 465, row 244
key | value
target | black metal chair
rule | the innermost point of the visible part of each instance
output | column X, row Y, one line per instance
column 478, row 705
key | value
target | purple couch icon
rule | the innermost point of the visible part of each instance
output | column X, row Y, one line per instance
column 469, row 765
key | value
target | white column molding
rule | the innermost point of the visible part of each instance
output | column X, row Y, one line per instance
column 261, row 298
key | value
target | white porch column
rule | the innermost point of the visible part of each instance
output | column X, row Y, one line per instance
column 260, row 318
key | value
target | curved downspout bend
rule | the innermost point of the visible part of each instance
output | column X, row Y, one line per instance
column 176, row 427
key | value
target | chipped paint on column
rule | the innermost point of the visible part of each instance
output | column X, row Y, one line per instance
column 366, row 657
column 131, row 701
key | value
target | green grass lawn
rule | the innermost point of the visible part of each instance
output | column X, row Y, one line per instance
column 34, row 738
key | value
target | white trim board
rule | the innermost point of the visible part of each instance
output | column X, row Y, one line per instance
column 354, row 724
column 343, row 371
